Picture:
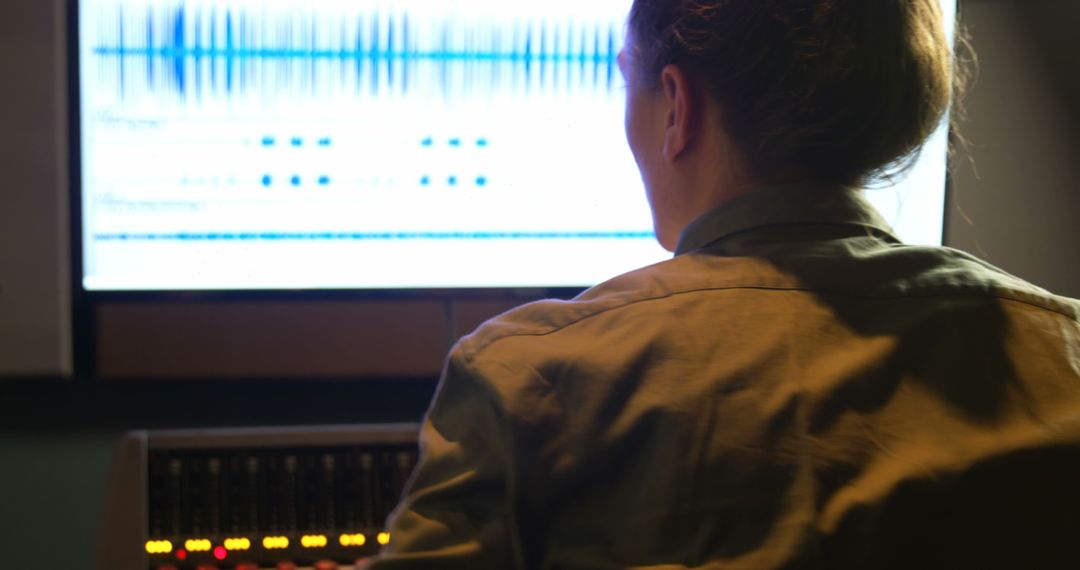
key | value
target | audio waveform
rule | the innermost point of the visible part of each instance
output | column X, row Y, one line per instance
column 214, row 51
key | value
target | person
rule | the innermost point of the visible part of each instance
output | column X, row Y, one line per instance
column 795, row 388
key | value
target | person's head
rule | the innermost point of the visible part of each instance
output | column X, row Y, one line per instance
column 726, row 95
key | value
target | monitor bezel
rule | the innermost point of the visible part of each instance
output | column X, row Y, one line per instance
column 85, row 303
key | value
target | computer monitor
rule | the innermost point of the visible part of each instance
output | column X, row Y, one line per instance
column 254, row 145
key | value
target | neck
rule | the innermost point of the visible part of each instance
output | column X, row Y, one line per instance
column 707, row 176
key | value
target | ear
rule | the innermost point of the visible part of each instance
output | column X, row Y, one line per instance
column 682, row 104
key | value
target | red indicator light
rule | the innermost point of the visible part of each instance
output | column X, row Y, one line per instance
column 220, row 552
column 181, row 554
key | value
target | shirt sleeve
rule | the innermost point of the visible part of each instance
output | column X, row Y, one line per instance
column 456, row 511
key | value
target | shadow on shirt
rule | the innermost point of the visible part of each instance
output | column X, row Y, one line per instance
column 1015, row 511
column 1017, row 506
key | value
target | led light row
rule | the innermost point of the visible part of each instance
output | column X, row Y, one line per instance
column 198, row 545
column 352, row 540
column 275, row 542
column 237, row 544
column 269, row 543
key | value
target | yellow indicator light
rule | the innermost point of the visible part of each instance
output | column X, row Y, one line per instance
column 198, row 545
column 313, row 540
column 275, row 542
column 352, row 539
column 158, row 547
column 237, row 544
column 383, row 538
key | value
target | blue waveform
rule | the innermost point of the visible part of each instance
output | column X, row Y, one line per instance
column 193, row 51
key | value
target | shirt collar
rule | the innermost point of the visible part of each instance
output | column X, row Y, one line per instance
column 783, row 205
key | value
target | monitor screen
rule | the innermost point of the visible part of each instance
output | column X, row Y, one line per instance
column 371, row 144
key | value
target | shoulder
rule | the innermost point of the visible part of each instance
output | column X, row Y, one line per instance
column 637, row 290
column 946, row 271
column 851, row 269
column 865, row 266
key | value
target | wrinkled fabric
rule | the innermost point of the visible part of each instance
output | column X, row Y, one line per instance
column 794, row 389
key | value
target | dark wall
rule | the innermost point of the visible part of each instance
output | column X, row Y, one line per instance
column 52, row 484
column 1016, row 191
column 34, row 298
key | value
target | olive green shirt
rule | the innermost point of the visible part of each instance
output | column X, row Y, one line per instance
column 795, row 389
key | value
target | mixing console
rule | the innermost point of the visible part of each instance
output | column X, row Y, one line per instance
column 247, row 499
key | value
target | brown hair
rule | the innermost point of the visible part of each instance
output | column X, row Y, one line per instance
column 831, row 91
